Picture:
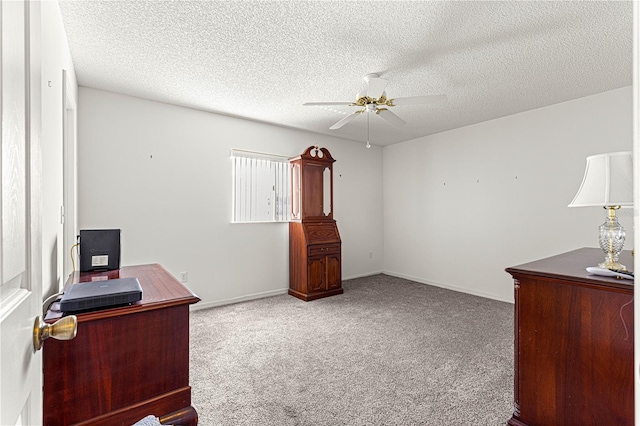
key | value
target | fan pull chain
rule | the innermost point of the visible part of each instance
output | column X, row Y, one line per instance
column 368, row 144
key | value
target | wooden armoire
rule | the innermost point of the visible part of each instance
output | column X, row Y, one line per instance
column 315, row 266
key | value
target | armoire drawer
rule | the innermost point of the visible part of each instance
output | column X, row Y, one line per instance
column 324, row 249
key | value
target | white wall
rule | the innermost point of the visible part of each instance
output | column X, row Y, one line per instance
column 162, row 174
column 55, row 58
column 462, row 205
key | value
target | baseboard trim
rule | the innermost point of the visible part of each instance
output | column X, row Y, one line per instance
column 246, row 298
column 254, row 296
column 261, row 295
column 368, row 274
column 447, row 286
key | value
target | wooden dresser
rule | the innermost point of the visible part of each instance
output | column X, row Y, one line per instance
column 573, row 343
column 125, row 363
column 315, row 268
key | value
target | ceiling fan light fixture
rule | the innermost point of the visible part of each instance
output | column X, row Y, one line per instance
column 375, row 99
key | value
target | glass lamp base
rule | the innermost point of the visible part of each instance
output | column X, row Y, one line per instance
column 612, row 265
column 612, row 236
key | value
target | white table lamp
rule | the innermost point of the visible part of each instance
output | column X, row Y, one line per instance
column 608, row 182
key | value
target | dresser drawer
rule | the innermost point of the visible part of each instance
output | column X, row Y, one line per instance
column 324, row 249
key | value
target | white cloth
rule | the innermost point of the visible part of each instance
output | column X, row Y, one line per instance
column 148, row 421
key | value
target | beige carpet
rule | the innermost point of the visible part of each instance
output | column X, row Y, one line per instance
column 386, row 352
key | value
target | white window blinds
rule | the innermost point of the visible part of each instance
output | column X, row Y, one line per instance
column 260, row 187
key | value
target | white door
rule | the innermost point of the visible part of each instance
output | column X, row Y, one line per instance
column 20, row 216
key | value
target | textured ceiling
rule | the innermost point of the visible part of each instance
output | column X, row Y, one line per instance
column 262, row 60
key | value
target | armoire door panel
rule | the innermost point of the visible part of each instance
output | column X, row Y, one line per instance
column 316, row 274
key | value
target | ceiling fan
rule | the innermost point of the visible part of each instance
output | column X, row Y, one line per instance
column 375, row 101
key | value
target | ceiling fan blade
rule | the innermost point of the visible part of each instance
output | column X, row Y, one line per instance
column 325, row 103
column 345, row 120
column 415, row 100
column 376, row 87
column 391, row 117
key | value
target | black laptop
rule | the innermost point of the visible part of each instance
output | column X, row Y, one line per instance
column 101, row 294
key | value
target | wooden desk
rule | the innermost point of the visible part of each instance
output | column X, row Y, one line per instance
column 573, row 343
column 125, row 363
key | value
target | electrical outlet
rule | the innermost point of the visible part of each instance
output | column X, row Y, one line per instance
column 370, row 255
column 183, row 276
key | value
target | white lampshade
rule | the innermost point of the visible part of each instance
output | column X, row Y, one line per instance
column 607, row 181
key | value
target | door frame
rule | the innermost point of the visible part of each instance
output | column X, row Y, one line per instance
column 636, row 196
column 69, row 171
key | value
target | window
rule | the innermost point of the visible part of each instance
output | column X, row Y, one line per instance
column 260, row 187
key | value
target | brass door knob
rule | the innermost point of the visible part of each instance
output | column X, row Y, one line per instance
column 63, row 329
